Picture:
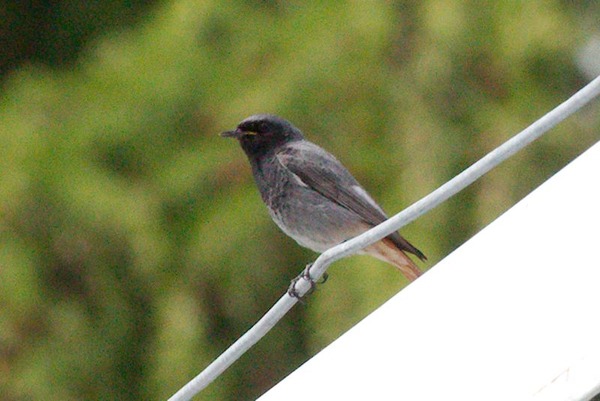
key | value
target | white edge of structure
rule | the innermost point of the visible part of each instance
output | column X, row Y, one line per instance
column 513, row 314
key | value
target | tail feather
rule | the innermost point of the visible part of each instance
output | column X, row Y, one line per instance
column 388, row 251
column 404, row 245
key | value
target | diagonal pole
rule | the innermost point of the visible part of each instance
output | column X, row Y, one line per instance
column 449, row 189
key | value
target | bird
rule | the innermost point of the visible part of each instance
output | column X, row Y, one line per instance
column 311, row 196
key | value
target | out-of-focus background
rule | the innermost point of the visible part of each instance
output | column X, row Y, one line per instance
column 134, row 247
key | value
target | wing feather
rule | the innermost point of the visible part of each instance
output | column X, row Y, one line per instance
column 323, row 173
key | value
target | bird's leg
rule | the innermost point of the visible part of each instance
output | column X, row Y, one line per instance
column 292, row 292
column 306, row 275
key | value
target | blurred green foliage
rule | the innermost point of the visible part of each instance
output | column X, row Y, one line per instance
column 134, row 247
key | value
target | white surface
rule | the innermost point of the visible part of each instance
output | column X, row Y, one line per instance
column 513, row 314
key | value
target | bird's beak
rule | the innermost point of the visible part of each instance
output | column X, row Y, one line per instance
column 232, row 134
column 237, row 134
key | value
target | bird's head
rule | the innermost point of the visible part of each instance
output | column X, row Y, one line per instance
column 261, row 133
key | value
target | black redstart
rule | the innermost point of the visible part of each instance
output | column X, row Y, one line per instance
column 310, row 194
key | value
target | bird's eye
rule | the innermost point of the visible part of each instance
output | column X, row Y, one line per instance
column 263, row 127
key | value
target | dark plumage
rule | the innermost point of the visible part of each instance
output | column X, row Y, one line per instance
column 310, row 195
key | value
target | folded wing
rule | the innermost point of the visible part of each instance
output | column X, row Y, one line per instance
column 323, row 173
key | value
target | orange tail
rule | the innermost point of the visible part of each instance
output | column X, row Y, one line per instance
column 387, row 251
